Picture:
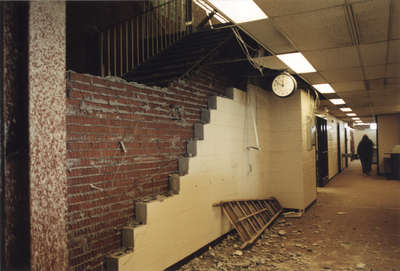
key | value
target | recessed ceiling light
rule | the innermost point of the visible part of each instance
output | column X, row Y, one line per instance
column 337, row 101
column 239, row 11
column 297, row 62
column 351, row 114
column 324, row 88
column 346, row 109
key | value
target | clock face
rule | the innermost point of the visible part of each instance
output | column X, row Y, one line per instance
column 284, row 84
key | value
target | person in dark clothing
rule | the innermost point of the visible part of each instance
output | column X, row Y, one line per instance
column 364, row 151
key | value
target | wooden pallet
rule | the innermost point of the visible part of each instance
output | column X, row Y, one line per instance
column 251, row 217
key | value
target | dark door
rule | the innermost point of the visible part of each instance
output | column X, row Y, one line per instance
column 339, row 153
column 322, row 152
column 346, row 147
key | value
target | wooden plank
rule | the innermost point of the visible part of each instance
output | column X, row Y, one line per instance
column 243, row 235
column 260, row 231
column 245, row 224
column 240, row 200
column 260, row 222
column 245, row 216
column 250, row 217
column 264, row 216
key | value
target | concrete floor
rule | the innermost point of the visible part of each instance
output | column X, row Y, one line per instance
column 354, row 225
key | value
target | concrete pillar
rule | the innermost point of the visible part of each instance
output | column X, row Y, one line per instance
column 47, row 135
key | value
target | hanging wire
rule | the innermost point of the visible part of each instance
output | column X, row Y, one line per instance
column 245, row 48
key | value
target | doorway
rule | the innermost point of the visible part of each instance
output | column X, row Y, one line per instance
column 346, row 150
column 339, row 152
column 322, row 152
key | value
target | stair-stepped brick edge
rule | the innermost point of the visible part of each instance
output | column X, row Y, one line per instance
column 113, row 261
column 100, row 111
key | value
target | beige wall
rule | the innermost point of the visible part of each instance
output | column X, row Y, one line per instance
column 224, row 169
column 308, row 149
column 333, row 166
column 388, row 135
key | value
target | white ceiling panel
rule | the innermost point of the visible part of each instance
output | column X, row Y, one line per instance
column 314, row 78
column 376, row 83
column 348, row 86
column 373, row 54
column 387, row 100
column 321, row 29
column 333, row 59
column 394, row 51
column 275, row 8
column 393, row 70
column 354, row 93
column 384, row 92
column 358, row 101
column 392, row 82
column 267, row 35
column 372, row 17
column 395, row 20
column 343, row 75
column 271, row 62
column 375, row 72
column 385, row 109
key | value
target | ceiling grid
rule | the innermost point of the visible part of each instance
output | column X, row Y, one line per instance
column 361, row 63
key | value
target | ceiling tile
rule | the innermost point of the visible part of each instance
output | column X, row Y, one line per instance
column 321, row 29
column 392, row 82
column 395, row 20
column 375, row 72
column 372, row 17
column 352, row 74
column 376, row 83
column 349, row 86
column 393, row 70
column 267, row 35
column 271, row 62
column 275, row 8
column 313, row 78
column 373, row 54
column 332, row 59
column 386, row 109
column 394, row 51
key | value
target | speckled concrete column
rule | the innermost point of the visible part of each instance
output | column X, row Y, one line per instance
column 47, row 135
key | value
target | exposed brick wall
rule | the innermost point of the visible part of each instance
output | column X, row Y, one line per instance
column 101, row 113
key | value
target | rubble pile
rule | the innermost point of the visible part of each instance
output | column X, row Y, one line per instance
column 282, row 247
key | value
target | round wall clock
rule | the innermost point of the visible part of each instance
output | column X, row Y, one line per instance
column 284, row 84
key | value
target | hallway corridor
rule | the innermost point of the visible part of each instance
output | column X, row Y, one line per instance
column 354, row 225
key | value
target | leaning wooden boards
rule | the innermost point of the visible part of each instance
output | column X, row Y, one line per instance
column 251, row 217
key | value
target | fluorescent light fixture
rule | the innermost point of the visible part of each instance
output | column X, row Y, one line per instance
column 373, row 126
column 297, row 62
column 346, row 109
column 351, row 114
column 324, row 88
column 239, row 11
column 337, row 101
column 355, row 118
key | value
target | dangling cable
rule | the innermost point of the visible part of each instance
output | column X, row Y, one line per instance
column 244, row 46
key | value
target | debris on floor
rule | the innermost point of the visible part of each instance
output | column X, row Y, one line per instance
column 322, row 240
column 293, row 214
column 251, row 217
